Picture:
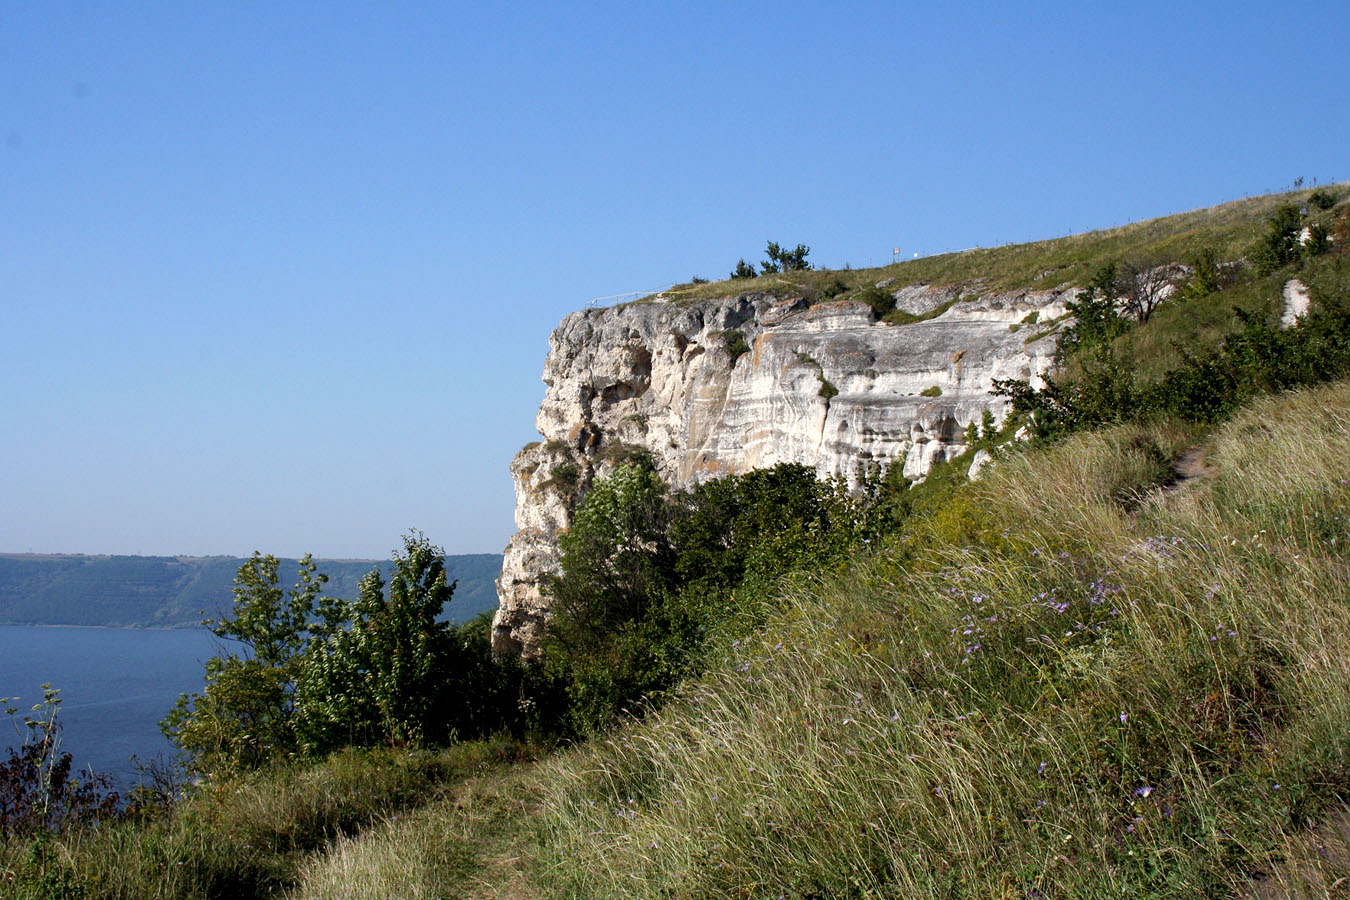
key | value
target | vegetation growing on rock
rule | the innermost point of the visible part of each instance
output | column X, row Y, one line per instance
column 1093, row 672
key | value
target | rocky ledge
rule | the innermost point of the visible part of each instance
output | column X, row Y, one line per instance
column 715, row 387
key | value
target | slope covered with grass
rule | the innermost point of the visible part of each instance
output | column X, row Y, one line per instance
column 1076, row 678
column 1112, row 667
column 1227, row 231
column 1065, row 683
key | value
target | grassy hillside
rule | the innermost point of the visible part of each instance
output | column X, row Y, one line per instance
column 1114, row 666
column 1078, row 678
column 1069, row 682
column 1228, row 231
column 173, row 591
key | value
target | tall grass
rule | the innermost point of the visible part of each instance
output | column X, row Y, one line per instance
column 466, row 844
column 1072, row 679
column 1227, row 230
column 248, row 836
column 1101, row 692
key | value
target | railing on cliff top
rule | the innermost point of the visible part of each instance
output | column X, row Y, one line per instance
column 626, row 296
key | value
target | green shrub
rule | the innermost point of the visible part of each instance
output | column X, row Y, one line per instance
column 933, row 391
column 1211, row 382
column 323, row 672
column 734, row 343
column 744, row 270
column 1322, row 199
column 244, row 716
column 390, row 675
column 648, row 578
column 1205, row 278
column 604, row 640
column 880, row 300
column 831, row 289
column 1279, row 246
column 1319, row 241
column 564, row 477
column 1096, row 312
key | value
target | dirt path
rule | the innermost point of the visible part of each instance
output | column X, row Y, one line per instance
column 1189, row 468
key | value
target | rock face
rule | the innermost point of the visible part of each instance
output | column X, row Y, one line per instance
column 724, row 386
column 1296, row 302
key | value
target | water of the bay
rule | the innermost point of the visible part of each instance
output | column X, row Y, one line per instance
column 116, row 685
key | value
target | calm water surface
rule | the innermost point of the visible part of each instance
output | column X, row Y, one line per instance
column 116, row 685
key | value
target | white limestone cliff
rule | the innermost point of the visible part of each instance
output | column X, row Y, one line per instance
column 826, row 385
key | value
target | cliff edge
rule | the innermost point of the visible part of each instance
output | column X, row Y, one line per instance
column 715, row 387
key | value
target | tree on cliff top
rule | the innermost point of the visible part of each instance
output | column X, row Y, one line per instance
column 783, row 260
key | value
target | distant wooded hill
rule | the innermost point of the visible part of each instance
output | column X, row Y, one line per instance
column 177, row 591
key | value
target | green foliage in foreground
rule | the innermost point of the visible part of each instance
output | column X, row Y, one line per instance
column 1057, row 681
column 1227, row 344
column 1058, row 684
column 318, row 673
column 247, row 836
column 1054, row 682
column 649, row 577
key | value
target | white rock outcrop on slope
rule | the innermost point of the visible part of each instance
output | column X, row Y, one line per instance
column 1296, row 302
column 826, row 385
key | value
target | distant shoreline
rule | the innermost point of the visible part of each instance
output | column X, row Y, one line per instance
column 177, row 592
column 105, row 627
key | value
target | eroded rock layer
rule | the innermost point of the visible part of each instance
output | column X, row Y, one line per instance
column 723, row 386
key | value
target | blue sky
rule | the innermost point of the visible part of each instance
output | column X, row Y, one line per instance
column 281, row 276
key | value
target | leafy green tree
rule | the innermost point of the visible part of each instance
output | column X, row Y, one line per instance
column 611, row 640
column 1205, row 276
column 240, row 720
column 784, row 260
column 380, row 679
column 745, row 531
column 616, row 557
column 317, row 672
column 1096, row 312
column 649, row 579
column 243, row 717
column 273, row 624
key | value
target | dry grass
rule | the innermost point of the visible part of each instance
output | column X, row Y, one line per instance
column 1228, row 230
column 465, row 845
column 1106, row 694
